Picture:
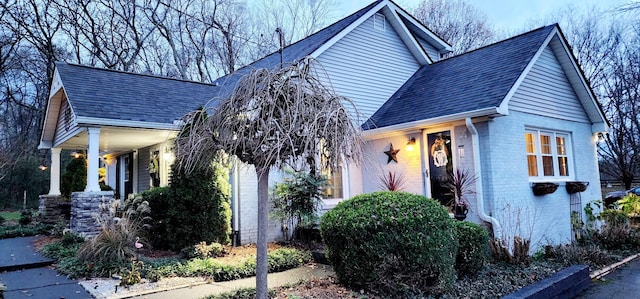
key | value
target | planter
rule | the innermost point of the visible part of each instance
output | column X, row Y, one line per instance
column 460, row 212
column 575, row 187
column 544, row 188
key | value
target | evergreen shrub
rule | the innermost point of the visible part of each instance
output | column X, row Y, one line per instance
column 194, row 208
column 74, row 177
column 393, row 242
column 473, row 250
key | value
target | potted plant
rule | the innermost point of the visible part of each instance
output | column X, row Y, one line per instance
column 575, row 187
column 460, row 183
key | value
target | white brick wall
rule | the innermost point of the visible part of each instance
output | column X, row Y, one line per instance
column 248, row 193
column 545, row 218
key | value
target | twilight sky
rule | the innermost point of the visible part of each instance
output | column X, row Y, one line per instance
column 506, row 15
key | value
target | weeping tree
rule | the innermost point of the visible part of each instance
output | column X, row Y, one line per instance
column 274, row 118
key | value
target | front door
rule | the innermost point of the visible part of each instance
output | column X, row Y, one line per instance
column 440, row 163
column 124, row 176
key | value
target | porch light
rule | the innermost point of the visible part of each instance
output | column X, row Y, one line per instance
column 42, row 167
column 410, row 144
column 76, row 155
column 600, row 137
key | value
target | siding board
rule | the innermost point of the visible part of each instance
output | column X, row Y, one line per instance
column 66, row 122
column 546, row 91
column 144, row 154
column 368, row 65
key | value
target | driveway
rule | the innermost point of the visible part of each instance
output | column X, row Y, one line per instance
column 621, row 283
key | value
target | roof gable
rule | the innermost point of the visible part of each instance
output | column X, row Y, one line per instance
column 475, row 81
column 315, row 44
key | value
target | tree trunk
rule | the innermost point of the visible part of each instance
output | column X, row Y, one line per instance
column 262, row 266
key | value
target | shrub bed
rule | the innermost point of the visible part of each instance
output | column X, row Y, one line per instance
column 393, row 242
column 280, row 259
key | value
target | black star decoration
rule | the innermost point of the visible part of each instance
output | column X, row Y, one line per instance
column 391, row 154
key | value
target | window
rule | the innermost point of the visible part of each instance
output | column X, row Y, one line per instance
column 547, row 154
column 334, row 190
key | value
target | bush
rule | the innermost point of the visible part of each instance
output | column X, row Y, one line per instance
column 473, row 250
column 74, row 177
column 158, row 199
column 202, row 251
column 196, row 208
column 616, row 233
column 115, row 243
column 393, row 242
column 26, row 217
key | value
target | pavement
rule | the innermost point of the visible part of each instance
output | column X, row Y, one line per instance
column 623, row 282
column 27, row 274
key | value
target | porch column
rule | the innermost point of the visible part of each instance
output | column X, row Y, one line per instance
column 93, row 157
column 54, row 184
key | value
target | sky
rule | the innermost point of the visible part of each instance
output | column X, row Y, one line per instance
column 507, row 15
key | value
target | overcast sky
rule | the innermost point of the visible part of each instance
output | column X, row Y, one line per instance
column 507, row 15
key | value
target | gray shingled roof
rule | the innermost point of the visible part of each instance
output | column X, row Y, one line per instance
column 475, row 80
column 109, row 94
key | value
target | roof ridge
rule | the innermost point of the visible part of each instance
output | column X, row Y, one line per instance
column 132, row 73
column 498, row 42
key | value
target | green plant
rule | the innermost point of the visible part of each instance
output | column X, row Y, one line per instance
column 74, row 177
column 392, row 181
column 616, row 232
column 295, row 201
column 473, row 249
column 393, row 242
column 26, row 217
column 460, row 182
column 2, row 220
column 202, row 250
column 12, row 231
column 630, row 205
column 118, row 234
column 195, row 207
column 132, row 276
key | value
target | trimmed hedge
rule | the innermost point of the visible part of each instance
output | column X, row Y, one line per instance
column 473, row 249
column 393, row 242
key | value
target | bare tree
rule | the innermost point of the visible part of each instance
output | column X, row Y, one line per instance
column 105, row 32
column 621, row 150
column 457, row 22
column 274, row 117
column 297, row 19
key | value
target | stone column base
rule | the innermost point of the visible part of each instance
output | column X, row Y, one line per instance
column 54, row 209
column 85, row 207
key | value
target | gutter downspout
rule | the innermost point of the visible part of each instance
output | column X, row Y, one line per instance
column 497, row 228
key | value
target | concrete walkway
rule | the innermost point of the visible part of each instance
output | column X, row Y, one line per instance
column 27, row 274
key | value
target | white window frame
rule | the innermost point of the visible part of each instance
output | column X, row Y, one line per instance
column 554, row 154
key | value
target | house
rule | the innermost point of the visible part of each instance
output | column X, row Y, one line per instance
column 518, row 114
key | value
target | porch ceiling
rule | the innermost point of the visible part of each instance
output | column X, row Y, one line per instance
column 116, row 140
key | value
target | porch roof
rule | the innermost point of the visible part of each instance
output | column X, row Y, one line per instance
column 96, row 93
column 473, row 81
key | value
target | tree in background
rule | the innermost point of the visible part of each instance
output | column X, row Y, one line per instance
column 607, row 49
column 460, row 24
column 274, row 118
